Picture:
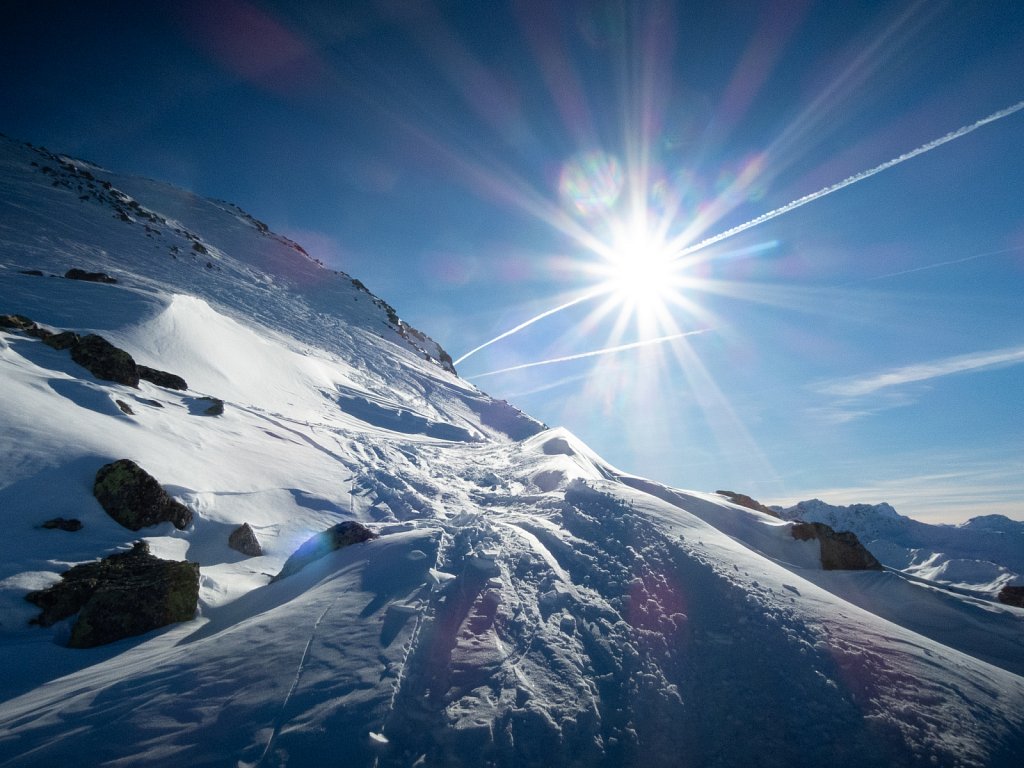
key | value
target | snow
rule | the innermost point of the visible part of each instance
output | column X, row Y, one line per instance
column 525, row 603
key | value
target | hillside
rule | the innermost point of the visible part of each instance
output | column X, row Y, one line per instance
column 524, row 603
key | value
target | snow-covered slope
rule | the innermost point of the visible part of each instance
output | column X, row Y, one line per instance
column 525, row 603
column 983, row 554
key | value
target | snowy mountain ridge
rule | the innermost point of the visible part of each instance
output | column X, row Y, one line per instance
column 983, row 554
column 523, row 603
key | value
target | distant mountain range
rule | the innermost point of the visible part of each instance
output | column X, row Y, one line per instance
column 983, row 554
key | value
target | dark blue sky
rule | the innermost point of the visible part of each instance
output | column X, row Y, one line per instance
column 420, row 147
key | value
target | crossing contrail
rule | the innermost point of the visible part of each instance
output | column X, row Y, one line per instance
column 594, row 353
column 935, row 144
column 799, row 202
column 578, row 300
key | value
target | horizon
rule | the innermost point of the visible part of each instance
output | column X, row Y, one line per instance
column 482, row 170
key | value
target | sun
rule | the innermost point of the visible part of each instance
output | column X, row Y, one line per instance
column 639, row 270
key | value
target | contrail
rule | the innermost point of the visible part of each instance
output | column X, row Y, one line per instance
column 799, row 202
column 594, row 353
column 852, row 179
column 532, row 320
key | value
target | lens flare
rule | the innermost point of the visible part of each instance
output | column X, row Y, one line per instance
column 591, row 183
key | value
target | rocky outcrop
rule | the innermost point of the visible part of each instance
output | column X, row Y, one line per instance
column 91, row 277
column 243, row 539
column 135, row 499
column 336, row 537
column 840, row 551
column 1012, row 596
column 120, row 596
column 105, row 361
column 746, row 501
column 161, row 378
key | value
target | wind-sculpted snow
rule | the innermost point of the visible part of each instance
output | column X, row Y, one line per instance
column 523, row 604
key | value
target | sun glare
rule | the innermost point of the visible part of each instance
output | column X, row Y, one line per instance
column 640, row 271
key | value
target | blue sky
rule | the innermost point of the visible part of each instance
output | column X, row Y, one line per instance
column 478, row 164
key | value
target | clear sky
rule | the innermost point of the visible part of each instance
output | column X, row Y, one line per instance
column 478, row 164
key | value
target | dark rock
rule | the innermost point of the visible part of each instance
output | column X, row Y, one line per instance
column 62, row 340
column 746, row 501
column 32, row 272
column 216, row 407
column 105, row 361
column 125, row 408
column 135, row 499
column 840, row 551
column 336, row 537
column 16, row 322
column 64, row 525
column 91, row 277
column 39, row 332
column 120, row 596
column 161, row 378
column 243, row 539
column 1012, row 596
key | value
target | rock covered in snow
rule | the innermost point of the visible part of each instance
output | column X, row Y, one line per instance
column 135, row 499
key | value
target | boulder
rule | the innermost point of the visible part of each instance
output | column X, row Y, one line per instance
column 336, row 537
column 1012, row 596
column 243, row 539
column 135, row 499
column 161, row 378
column 746, row 501
column 62, row 340
column 840, row 551
column 122, row 595
column 91, row 277
column 105, row 361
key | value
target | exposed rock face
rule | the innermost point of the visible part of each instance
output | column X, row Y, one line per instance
column 746, row 501
column 243, row 539
column 135, row 499
column 336, row 537
column 63, row 524
column 161, row 378
column 105, row 361
column 92, row 277
column 122, row 595
column 1012, row 596
column 840, row 551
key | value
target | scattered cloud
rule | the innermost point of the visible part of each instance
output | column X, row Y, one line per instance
column 867, row 385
